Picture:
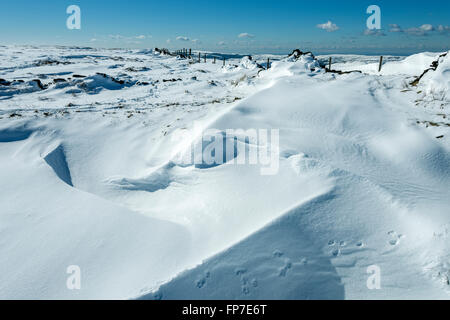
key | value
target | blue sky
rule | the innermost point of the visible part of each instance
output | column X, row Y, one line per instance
column 328, row 26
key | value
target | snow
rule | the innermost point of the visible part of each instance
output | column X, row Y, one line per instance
column 438, row 81
column 93, row 178
column 412, row 66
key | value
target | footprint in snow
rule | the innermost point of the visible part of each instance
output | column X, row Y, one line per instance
column 337, row 245
column 245, row 290
column 395, row 238
column 157, row 296
column 336, row 252
column 245, row 283
column 278, row 254
column 201, row 282
column 240, row 272
column 285, row 269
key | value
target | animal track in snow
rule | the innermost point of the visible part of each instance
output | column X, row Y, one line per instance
column 301, row 163
column 158, row 296
column 245, row 283
column 336, row 246
column 202, row 281
column 286, row 268
column 336, row 252
column 277, row 254
column 395, row 238
column 240, row 271
column 304, row 261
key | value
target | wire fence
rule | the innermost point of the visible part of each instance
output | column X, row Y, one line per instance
column 223, row 58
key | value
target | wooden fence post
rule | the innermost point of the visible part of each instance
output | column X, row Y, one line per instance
column 381, row 64
column 268, row 63
column 205, row 57
column 214, row 60
column 329, row 63
column 199, row 58
column 224, row 61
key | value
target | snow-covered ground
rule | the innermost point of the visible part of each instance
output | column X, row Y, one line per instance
column 90, row 176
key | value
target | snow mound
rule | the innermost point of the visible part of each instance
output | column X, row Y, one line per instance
column 297, row 63
column 96, row 83
column 276, row 269
column 9, row 89
column 410, row 65
column 438, row 80
column 247, row 63
column 392, row 65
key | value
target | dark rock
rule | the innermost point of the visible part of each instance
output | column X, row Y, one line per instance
column 342, row 72
column 297, row 53
column 171, row 80
column 39, row 84
column 3, row 82
column 50, row 62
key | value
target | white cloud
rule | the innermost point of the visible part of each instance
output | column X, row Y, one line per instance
column 329, row 26
column 374, row 32
column 181, row 38
column 127, row 38
column 395, row 28
column 116, row 36
column 246, row 35
column 221, row 43
column 443, row 29
column 415, row 31
column 168, row 41
column 196, row 41
column 423, row 30
column 427, row 27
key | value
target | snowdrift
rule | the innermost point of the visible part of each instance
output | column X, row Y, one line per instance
column 353, row 191
column 95, row 181
column 437, row 78
column 407, row 66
